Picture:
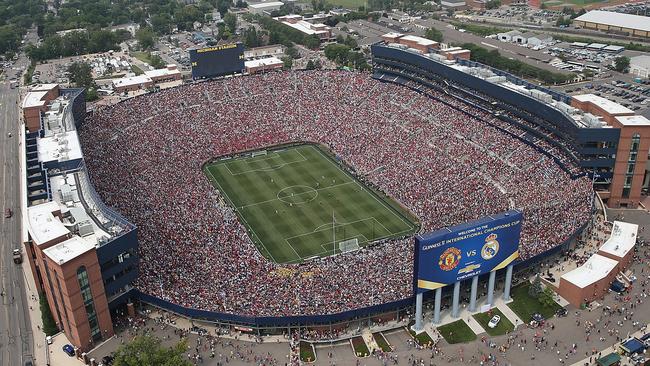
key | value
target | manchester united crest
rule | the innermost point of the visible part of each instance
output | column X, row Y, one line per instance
column 490, row 248
column 449, row 259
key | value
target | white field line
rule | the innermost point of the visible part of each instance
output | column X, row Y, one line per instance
column 392, row 210
column 223, row 193
column 269, row 169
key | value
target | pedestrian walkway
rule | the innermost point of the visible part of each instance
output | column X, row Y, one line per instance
column 502, row 305
column 370, row 340
column 610, row 349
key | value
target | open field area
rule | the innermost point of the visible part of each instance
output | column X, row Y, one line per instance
column 525, row 306
column 457, row 332
column 289, row 199
column 503, row 327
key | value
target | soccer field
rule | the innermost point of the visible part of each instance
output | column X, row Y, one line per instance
column 288, row 199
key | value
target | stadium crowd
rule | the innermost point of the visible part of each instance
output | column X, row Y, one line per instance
column 145, row 158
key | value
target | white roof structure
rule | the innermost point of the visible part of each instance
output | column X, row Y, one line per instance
column 595, row 269
column 167, row 71
column 130, row 81
column 307, row 27
column 636, row 120
column 67, row 250
column 269, row 61
column 43, row 226
column 622, row 239
column 60, row 147
column 34, row 99
column 266, row 5
column 605, row 104
column 419, row 40
column 616, row 19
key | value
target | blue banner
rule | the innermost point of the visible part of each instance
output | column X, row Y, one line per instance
column 471, row 249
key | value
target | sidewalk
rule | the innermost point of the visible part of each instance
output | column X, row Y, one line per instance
column 39, row 356
column 610, row 349
column 502, row 305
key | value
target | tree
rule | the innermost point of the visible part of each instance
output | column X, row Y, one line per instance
column 146, row 38
column 49, row 325
column 147, row 351
column 351, row 42
column 312, row 42
column 310, row 65
column 547, row 297
column 621, row 63
column 288, row 62
column 492, row 4
column 81, row 76
column 433, row 34
column 251, row 39
column 156, row 61
column 230, row 20
column 535, row 288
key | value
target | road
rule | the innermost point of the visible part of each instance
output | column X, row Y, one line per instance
column 15, row 332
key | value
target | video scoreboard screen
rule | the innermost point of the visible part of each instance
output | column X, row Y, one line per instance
column 218, row 60
column 471, row 249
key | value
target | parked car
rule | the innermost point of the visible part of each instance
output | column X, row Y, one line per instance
column 561, row 312
column 538, row 317
column 69, row 350
column 494, row 321
column 48, row 339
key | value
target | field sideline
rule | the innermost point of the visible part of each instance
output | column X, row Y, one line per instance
column 288, row 199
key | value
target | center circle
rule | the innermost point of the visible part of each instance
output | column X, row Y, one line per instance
column 297, row 195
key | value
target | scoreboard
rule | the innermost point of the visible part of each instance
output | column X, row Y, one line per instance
column 471, row 249
column 217, row 60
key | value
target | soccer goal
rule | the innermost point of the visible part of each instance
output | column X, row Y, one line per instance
column 258, row 153
column 349, row 245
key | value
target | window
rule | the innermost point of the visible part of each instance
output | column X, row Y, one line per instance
column 87, row 297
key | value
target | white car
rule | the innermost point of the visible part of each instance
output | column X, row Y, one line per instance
column 494, row 321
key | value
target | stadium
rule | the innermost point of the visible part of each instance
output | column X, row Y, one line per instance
column 294, row 197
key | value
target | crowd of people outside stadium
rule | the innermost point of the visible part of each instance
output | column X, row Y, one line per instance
column 145, row 158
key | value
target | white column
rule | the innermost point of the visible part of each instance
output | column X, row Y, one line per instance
column 418, row 313
column 472, row 298
column 436, row 309
column 490, row 299
column 456, row 300
column 506, row 290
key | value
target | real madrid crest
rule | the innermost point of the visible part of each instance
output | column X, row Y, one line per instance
column 490, row 248
column 449, row 259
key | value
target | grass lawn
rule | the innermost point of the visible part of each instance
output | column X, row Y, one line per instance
column 423, row 338
column 382, row 342
column 457, row 332
column 503, row 327
column 349, row 4
column 286, row 198
column 359, row 347
column 307, row 353
column 142, row 56
column 136, row 70
column 525, row 306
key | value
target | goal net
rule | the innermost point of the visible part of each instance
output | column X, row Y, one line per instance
column 349, row 245
column 258, row 153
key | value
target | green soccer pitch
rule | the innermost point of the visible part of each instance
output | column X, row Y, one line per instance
column 287, row 198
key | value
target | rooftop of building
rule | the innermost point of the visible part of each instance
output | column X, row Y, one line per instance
column 268, row 4
column 131, row 81
column 622, row 239
column 607, row 105
column 595, row 269
column 167, row 71
column 68, row 250
column 419, row 40
column 616, row 19
column 268, row 61
column 636, row 120
column 43, row 226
